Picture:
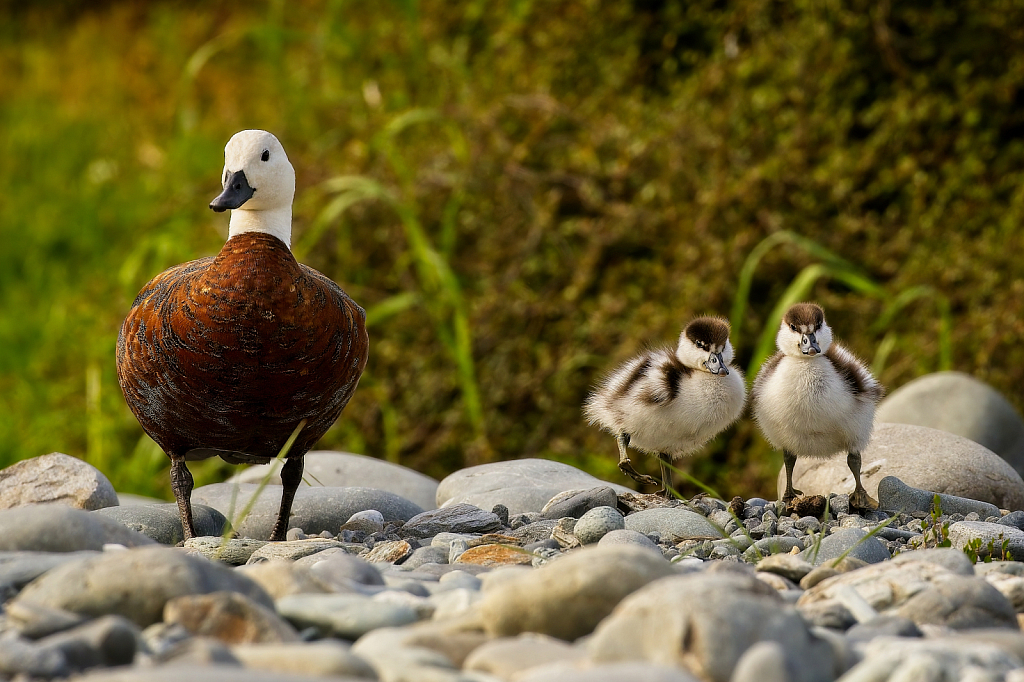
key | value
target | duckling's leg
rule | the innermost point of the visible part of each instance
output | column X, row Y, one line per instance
column 291, row 476
column 859, row 499
column 666, row 476
column 626, row 467
column 790, row 461
column 181, row 485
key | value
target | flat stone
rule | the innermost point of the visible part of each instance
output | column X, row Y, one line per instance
column 587, row 671
column 991, row 536
column 422, row 651
column 522, row 485
column 598, row 522
column 940, row 658
column 348, row 616
column 18, row 569
column 134, row 583
column 1010, row 586
column 704, row 623
column 55, row 478
column 952, row 560
column 535, row 532
column 197, row 651
column 508, row 656
column 568, row 597
column 673, row 523
column 105, row 641
column 960, row 404
column 393, row 551
column 627, row 537
column 34, row 620
column 314, row 510
column 339, row 569
column 321, row 659
column 427, row 555
column 883, row 626
column 576, row 503
column 770, row 546
column 855, row 540
column 229, row 617
column 895, row 495
column 369, row 522
column 233, row 552
column 199, row 673
column 924, row 592
column 162, row 522
column 280, row 577
column 333, row 469
column 22, row 657
column 787, row 565
column 56, row 528
column 455, row 518
column 495, row 555
column 923, row 458
column 1014, row 518
column 292, row 549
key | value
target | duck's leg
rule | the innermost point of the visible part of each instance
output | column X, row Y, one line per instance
column 291, row 476
column 181, row 485
column 790, row 461
column 859, row 499
column 666, row 476
column 626, row 467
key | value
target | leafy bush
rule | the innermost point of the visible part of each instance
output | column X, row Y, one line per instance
column 521, row 194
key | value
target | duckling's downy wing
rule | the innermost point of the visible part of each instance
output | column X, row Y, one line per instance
column 854, row 374
column 768, row 368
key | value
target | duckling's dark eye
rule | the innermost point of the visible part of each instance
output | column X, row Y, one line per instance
column 266, row 155
column 700, row 344
column 793, row 327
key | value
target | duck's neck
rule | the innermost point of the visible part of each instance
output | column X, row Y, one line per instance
column 276, row 222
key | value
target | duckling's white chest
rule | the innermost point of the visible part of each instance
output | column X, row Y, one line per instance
column 806, row 407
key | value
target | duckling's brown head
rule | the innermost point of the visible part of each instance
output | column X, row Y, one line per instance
column 704, row 344
column 803, row 331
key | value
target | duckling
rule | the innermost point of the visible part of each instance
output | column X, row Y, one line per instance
column 227, row 356
column 669, row 402
column 814, row 398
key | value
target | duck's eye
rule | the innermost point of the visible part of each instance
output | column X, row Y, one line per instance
column 700, row 344
column 793, row 327
column 818, row 328
column 266, row 155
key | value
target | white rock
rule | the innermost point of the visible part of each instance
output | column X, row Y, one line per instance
column 55, row 478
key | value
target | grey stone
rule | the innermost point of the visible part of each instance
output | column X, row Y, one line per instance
column 162, row 522
column 855, row 540
column 19, row 656
column 1010, row 586
column 535, row 532
column 672, row 523
column 778, row 544
column 197, row 651
column 18, row 569
column 941, row 658
column 293, row 549
column 576, row 503
column 456, row 548
column 627, row 537
column 455, row 518
column 883, row 626
column 991, row 536
column 430, row 651
column 348, row 616
column 952, row 560
column 321, row 659
column 522, row 485
column 234, row 552
column 218, row 672
column 339, row 569
column 460, row 579
column 788, row 566
column 704, row 623
column 962, row 405
column 508, row 656
column 332, row 469
column 56, row 528
column 1014, row 518
column 598, row 522
column 922, row 591
column 828, row 614
column 369, row 522
column 922, row 458
column 280, row 578
column 895, row 495
column 55, row 478
column 315, row 509
column 105, row 641
column 426, row 555
column 627, row 671
column 444, row 540
column 566, row 598
column 34, row 620
column 134, row 583
column 764, row 662
column 391, row 551
column 229, row 617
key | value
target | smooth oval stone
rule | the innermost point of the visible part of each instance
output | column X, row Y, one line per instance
column 56, row 528
column 234, row 552
column 229, row 617
column 337, row 567
column 962, row 405
column 455, row 518
column 369, row 522
column 314, row 511
column 105, row 641
column 135, row 583
column 321, row 659
column 895, row 495
column 598, row 522
column 427, row 555
column 347, row 616
column 576, row 503
column 924, row 458
column 332, row 469
column 18, row 569
column 162, row 522
column 673, row 523
column 855, row 540
column 55, row 478
column 521, row 485
column 627, row 537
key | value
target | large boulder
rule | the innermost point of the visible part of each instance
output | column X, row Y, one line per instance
column 56, row 528
column 921, row 457
column 522, row 485
column 55, row 478
column 329, row 469
column 960, row 404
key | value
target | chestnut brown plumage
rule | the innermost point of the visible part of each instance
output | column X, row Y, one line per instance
column 226, row 356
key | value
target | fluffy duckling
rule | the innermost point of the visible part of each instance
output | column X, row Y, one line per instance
column 226, row 356
column 669, row 402
column 814, row 398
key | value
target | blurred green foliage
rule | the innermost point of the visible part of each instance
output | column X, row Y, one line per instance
column 521, row 194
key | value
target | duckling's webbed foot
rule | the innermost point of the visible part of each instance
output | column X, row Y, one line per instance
column 859, row 498
column 626, row 467
column 789, row 459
